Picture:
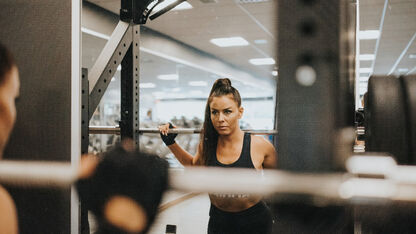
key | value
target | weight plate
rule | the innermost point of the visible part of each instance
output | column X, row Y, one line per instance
column 386, row 126
column 409, row 84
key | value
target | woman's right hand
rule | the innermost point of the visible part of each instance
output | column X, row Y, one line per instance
column 167, row 138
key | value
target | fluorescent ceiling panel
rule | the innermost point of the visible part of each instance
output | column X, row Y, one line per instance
column 229, row 41
column 366, row 57
column 168, row 77
column 368, row 34
column 147, row 85
column 260, row 41
column 197, row 83
column 262, row 61
column 365, row 70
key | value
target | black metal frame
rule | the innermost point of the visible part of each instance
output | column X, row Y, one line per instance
column 123, row 48
column 311, row 116
column 84, row 112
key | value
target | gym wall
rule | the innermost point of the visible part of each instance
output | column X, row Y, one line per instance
column 39, row 35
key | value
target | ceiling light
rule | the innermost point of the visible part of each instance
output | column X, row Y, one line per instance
column 365, row 70
column 262, row 61
column 168, row 77
column 402, row 70
column 113, row 79
column 368, row 34
column 229, row 41
column 260, row 42
column 119, row 68
column 197, row 83
column 275, row 73
column 147, row 85
column 412, row 56
column 183, row 6
column 366, row 57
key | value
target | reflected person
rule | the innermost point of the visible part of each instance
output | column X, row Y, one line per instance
column 224, row 144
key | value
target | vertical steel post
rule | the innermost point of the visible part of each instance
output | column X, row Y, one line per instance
column 135, row 83
column 309, row 83
column 84, row 227
column 130, row 73
column 84, row 112
column 126, row 128
column 312, row 108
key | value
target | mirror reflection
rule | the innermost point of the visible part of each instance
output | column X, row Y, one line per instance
column 183, row 56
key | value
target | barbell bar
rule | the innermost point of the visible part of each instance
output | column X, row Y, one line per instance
column 116, row 130
column 392, row 183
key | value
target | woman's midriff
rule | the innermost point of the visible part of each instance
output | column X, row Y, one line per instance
column 233, row 202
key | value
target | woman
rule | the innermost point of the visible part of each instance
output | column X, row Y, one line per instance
column 126, row 202
column 224, row 144
column 9, row 91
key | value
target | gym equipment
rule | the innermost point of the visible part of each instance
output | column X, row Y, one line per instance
column 370, row 179
column 409, row 91
column 386, row 126
column 116, row 130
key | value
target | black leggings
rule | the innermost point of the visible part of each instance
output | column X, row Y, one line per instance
column 255, row 220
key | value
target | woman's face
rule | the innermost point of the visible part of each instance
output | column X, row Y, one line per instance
column 9, row 91
column 225, row 114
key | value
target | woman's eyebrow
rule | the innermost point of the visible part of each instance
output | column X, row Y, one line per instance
column 227, row 108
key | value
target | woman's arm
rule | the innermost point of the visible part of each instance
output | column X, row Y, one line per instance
column 182, row 155
column 270, row 156
column 8, row 214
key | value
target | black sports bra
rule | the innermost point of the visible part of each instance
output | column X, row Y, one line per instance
column 244, row 161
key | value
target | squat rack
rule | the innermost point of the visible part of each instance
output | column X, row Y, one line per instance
column 123, row 48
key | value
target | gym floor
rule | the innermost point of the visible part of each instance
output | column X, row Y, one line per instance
column 189, row 216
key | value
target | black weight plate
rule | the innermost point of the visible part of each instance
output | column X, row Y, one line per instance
column 386, row 127
column 409, row 84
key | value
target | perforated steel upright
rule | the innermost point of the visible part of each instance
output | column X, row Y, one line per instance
column 311, row 83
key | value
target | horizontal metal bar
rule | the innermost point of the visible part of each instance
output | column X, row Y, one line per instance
column 37, row 174
column 400, row 185
column 116, row 130
column 105, row 130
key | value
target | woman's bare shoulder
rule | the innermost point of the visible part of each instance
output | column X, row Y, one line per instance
column 8, row 216
column 261, row 142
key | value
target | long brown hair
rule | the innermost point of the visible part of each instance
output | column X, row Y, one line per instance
column 6, row 62
column 209, row 136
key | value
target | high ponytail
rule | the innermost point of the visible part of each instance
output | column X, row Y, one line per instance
column 209, row 136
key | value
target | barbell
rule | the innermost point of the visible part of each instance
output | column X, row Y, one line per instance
column 374, row 177
column 116, row 130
